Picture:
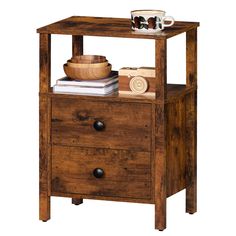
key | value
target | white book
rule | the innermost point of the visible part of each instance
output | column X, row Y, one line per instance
column 85, row 90
column 89, row 83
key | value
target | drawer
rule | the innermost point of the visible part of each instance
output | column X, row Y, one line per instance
column 101, row 124
column 101, row 172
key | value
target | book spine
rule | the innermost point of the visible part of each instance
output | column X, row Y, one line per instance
column 82, row 90
column 87, row 83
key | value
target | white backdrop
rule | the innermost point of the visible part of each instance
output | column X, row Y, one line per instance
column 19, row 118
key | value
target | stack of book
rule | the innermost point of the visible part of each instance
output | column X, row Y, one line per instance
column 100, row 87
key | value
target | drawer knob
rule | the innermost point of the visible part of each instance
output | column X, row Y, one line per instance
column 98, row 172
column 99, row 125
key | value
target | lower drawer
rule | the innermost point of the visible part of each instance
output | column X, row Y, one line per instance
column 101, row 172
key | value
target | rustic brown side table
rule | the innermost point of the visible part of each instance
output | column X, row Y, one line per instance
column 145, row 150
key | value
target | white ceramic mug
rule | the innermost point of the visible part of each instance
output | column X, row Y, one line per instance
column 150, row 20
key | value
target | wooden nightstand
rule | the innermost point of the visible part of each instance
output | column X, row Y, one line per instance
column 120, row 148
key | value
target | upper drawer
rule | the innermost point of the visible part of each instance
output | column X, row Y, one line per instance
column 101, row 124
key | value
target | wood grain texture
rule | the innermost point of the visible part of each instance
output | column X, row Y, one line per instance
column 127, row 165
column 175, row 159
column 87, row 73
column 110, row 27
column 77, row 45
column 174, row 92
column 124, row 83
column 160, row 168
column 191, row 122
column 161, row 79
column 191, row 58
column 44, row 127
column 160, row 139
column 99, row 187
column 72, row 172
column 148, row 149
column 191, row 152
column 45, row 62
column 127, row 126
column 44, row 158
column 105, row 198
column 153, row 153
column 77, row 50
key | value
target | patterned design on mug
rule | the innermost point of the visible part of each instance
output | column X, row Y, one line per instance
column 140, row 22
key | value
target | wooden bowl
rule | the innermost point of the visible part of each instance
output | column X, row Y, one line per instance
column 88, row 59
column 87, row 73
column 87, row 65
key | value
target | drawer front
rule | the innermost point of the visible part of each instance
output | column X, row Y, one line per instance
column 101, row 124
column 122, row 173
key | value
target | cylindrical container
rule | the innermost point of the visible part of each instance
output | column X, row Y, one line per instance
column 150, row 20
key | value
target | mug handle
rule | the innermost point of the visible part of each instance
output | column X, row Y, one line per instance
column 169, row 18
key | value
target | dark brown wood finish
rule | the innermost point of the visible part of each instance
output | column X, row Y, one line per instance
column 160, row 139
column 73, row 172
column 107, row 198
column 191, row 153
column 175, row 158
column 110, row 27
column 77, row 201
column 125, row 126
column 160, row 168
column 45, row 62
column 148, row 148
column 77, row 50
column 191, row 123
column 174, row 92
column 161, row 82
column 44, row 128
column 191, row 58
column 77, row 45
column 44, row 159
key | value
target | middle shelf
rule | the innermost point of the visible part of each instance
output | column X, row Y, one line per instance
column 174, row 91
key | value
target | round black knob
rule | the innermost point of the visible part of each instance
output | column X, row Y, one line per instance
column 98, row 172
column 99, row 125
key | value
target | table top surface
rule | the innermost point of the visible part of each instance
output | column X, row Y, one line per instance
column 111, row 27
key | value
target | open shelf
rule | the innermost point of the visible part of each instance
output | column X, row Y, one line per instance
column 174, row 91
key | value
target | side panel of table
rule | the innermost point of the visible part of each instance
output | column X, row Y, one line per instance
column 191, row 122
